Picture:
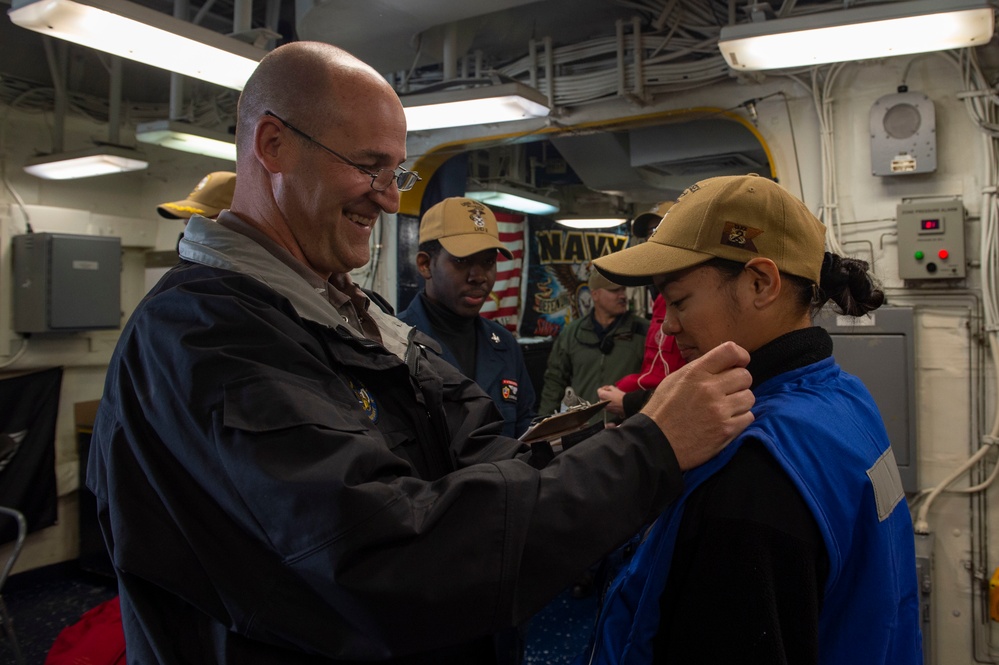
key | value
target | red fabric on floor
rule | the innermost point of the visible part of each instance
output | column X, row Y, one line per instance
column 96, row 639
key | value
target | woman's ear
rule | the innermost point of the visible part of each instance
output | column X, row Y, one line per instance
column 764, row 279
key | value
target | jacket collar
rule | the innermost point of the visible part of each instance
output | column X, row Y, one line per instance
column 220, row 245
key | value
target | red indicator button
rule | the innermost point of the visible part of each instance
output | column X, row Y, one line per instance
column 943, row 254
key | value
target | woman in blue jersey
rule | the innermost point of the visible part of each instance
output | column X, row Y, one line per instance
column 794, row 545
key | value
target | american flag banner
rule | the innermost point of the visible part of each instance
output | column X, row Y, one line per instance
column 503, row 305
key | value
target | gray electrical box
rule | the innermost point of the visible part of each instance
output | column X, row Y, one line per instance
column 879, row 349
column 931, row 239
column 66, row 283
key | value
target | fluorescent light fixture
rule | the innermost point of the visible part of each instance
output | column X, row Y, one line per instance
column 187, row 137
column 861, row 33
column 514, row 198
column 99, row 160
column 138, row 33
column 473, row 106
column 591, row 222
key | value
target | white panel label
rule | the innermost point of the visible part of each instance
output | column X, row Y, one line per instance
column 844, row 321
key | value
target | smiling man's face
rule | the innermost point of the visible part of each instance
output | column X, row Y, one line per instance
column 328, row 204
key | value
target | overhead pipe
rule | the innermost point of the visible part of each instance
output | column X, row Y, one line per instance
column 200, row 16
column 636, row 31
column 272, row 20
column 660, row 22
column 181, row 9
column 114, row 102
column 242, row 16
column 550, row 72
column 637, row 93
column 58, row 65
column 532, row 69
column 450, row 55
column 621, row 71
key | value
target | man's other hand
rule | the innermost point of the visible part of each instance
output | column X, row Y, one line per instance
column 705, row 404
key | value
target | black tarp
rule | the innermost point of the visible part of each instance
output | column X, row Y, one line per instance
column 29, row 404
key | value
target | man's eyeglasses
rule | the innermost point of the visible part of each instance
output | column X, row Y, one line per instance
column 380, row 179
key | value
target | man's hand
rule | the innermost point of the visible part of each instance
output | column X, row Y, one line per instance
column 705, row 404
column 615, row 396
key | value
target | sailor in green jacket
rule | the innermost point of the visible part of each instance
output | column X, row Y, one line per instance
column 595, row 350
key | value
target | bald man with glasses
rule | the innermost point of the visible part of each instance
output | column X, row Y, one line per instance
column 286, row 474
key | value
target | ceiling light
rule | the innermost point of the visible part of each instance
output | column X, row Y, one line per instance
column 514, row 198
column 861, row 33
column 187, row 137
column 99, row 160
column 473, row 106
column 138, row 33
column 591, row 222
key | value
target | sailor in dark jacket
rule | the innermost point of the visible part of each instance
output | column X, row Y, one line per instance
column 287, row 475
column 459, row 241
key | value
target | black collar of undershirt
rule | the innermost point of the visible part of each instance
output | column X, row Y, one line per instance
column 789, row 352
column 443, row 319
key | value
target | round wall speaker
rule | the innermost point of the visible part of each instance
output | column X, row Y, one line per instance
column 902, row 121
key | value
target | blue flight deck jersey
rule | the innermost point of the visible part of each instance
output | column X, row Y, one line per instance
column 825, row 431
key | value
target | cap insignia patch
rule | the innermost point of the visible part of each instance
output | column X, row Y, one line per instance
column 476, row 213
column 740, row 237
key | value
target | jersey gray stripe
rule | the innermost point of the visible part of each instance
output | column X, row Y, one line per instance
column 887, row 484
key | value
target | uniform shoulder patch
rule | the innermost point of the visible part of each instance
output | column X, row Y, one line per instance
column 509, row 390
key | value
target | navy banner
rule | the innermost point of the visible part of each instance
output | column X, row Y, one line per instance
column 557, row 280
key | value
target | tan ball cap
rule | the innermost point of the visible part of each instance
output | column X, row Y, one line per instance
column 729, row 217
column 212, row 195
column 463, row 227
column 647, row 222
column 599, row 281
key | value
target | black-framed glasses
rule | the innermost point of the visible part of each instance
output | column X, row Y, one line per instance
column 404, row 179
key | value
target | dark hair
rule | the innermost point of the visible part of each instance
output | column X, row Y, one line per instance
column 431, row 247
column 845, row 281
column 849, row 285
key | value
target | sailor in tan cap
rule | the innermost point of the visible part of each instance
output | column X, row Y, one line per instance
column 805, row 507
column 459, row 246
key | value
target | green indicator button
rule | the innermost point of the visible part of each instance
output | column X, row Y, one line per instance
column 919, row 256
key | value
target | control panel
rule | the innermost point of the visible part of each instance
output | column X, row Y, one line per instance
column 931, row 239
